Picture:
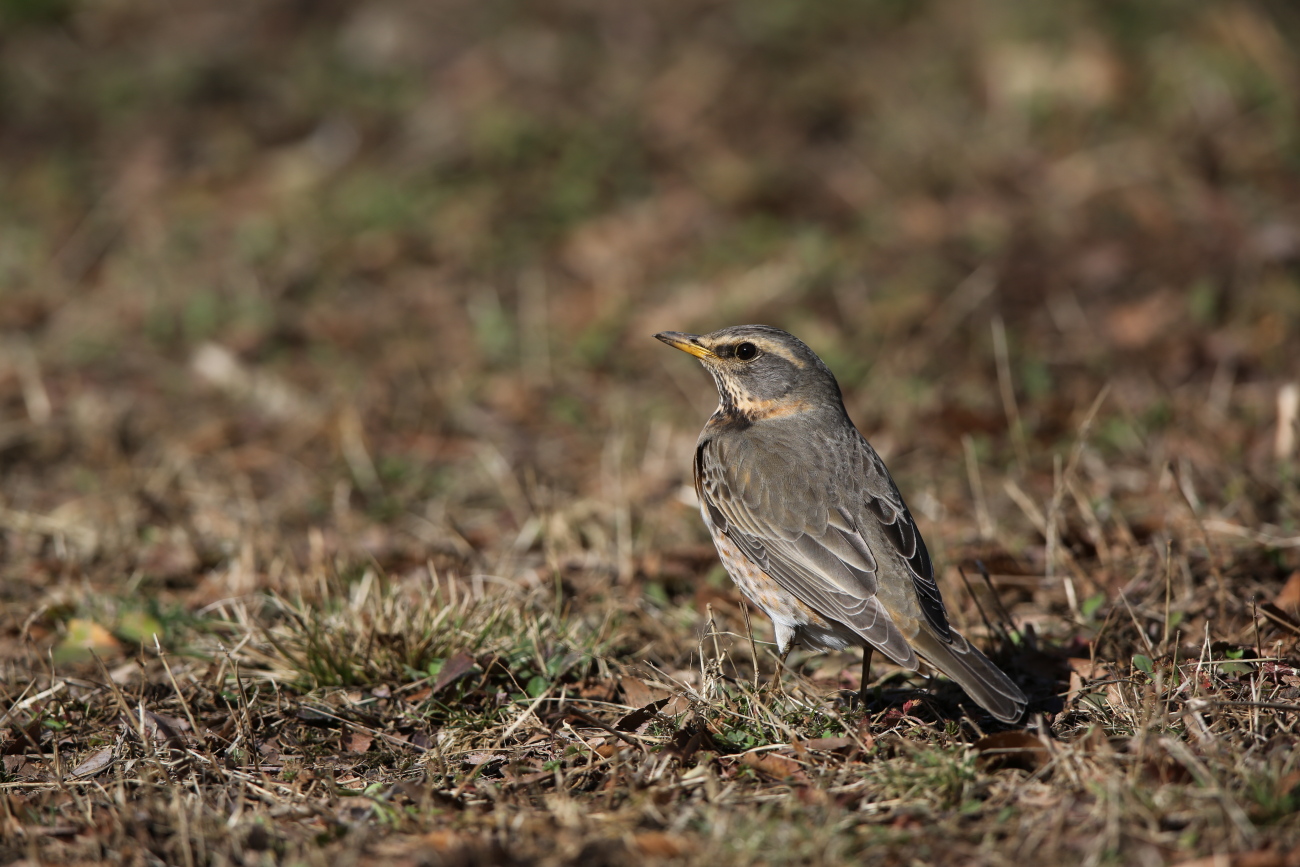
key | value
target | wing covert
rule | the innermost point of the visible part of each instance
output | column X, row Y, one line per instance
column 885, row 508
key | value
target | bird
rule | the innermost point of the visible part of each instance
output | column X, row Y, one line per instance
column 808, row 521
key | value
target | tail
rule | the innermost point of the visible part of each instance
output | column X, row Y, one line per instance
column 982, row 680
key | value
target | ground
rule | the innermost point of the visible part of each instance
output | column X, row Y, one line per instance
column 345, row 502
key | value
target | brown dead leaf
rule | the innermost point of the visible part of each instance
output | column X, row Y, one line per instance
column 1088, row 669
column 356, row 741
column 158, row 727
column 639, row 694
column 775, row 766
column 1280, row 617
column 18, row 767
column 460, row 665
column 812, row 796
column 597, row 690
column 638, row 718
column 1076, row 687
column 1288, row 598
column 1014, row 749
column 825, row 745
column 16, row 742
column 830, row 745
column 690, row 739
column 125, row 673
column 443, row 841
column 657, row 844
column 94, row 763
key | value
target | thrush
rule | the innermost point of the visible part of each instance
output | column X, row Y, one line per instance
column 809, row 523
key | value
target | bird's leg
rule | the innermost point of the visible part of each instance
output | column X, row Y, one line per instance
column 776, row 675
column 867, row 650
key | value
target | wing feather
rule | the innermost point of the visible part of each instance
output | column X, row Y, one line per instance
column 813, row 551
column 884, row 507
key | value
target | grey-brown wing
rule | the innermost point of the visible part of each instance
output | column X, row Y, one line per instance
column 885, row 516
column 794, row 533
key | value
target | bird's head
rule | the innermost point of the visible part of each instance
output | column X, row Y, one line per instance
column 761, row 372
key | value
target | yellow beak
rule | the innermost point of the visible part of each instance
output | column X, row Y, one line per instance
column 686, row 343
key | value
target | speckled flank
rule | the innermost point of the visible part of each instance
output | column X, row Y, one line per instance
column 795, row 622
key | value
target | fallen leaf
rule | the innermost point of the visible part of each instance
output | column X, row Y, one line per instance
column 1088, row 669
column 812, row 796
column 16, row 742
column 19, row 768
column 460, row 665
column 1014, row 749
column 356, row 741
column 94, row 763
column 597, row 690
column 827, row 745
column 636, row 719
column 657, row 844
column 159, row 727
column 1076, row 687
column 443, row 841
column 125, row 673
column 690, row 739
column 1288, row 598
column 775, row 766
column 84, row 637
column 1281, row 616
column 639, row 694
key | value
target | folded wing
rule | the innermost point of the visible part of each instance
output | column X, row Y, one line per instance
column 812, row 548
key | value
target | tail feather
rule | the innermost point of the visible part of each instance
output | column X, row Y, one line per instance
column 972, row 670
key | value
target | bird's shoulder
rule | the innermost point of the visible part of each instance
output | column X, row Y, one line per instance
column 822, row 455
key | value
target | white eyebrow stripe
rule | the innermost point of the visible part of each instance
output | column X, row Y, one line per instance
column 774, row 348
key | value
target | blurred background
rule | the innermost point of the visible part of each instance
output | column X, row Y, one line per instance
column 288, row 283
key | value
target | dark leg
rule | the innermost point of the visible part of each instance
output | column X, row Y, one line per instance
column 776, row 675
column 867, row 650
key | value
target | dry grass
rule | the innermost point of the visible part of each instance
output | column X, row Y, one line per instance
column 345, row 513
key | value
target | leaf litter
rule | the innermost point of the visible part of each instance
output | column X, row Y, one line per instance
column 346, row 512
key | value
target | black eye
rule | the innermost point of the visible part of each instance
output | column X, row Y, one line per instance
column 746, row 351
